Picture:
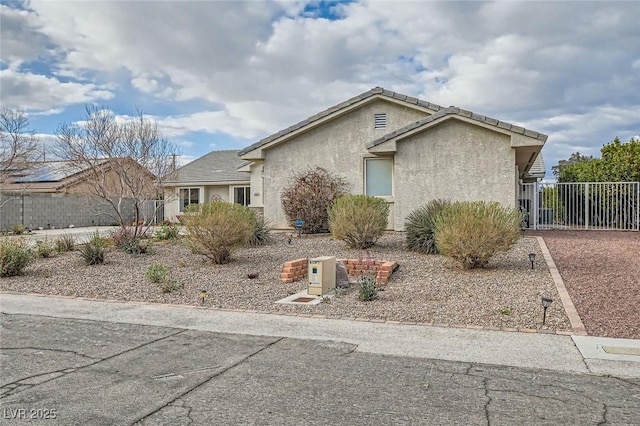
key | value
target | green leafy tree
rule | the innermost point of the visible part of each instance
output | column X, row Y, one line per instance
column 560, row 170
column 620, row 162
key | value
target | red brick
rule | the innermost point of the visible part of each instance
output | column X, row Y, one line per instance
column 287, row 280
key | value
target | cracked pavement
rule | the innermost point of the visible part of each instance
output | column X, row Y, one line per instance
column 107, row 373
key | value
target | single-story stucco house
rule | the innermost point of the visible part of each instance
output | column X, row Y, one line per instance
column 402, row 149
column 212, row 177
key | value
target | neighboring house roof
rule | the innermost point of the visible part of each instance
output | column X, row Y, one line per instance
column 49, row 171
column 54, row 176
column 216, row 167
column 538, row 169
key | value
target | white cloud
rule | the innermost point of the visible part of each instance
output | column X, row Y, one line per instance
column 565, row 68
column 146, row 85
column 37, row 92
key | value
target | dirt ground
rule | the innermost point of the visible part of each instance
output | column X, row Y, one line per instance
column 601, row 270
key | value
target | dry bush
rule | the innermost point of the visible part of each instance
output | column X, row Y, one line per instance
column 309, row 196
column 358, row 220
column 472, row 232
column 215, row 229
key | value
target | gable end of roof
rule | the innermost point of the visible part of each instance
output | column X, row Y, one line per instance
column 343, row 105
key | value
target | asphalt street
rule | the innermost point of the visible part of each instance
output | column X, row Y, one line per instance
column 70, row 371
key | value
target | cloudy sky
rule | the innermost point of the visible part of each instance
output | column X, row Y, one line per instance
column 222, row 75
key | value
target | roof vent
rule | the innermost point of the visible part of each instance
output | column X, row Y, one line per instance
column 380, row 120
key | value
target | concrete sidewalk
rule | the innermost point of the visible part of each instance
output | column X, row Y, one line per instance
column 615, row 357
column 81, row 234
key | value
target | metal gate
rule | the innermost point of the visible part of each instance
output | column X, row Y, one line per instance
column 584, row 205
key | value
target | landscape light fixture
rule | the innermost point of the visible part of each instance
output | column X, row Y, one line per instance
column 532, row 259
column 546, row 302
column 203, row 295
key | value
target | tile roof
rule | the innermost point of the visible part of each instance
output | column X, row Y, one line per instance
column 342, row 105
column 438, row 112
column 216, row 166
column 455, row 111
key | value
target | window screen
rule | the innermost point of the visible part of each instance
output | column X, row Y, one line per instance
column 378, row 176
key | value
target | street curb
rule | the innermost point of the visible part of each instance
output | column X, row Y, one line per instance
column 315, row 317
column 577, row 326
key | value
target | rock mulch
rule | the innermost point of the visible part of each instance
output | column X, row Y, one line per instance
column 601, row 271
column 425, row 288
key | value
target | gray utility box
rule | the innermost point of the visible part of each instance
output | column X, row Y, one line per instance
column 322, row 275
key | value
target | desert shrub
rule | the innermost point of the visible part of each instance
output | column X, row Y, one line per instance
column 167, row 231
column 126, row 240
column 65, row 242
column 420, row 227
column 308, row 197
column 358, row 220
column 157, row 273
column 472, row 232
column 170, row 285
column 368, row 290
column 18, row 229
column 15, row 255
column 44, row 248
column 215, row 229
column 261, row 232
column 93, row 252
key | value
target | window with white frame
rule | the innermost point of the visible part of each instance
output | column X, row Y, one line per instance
column 189, row 196
column 242, row 195
column 380, row 120
column 378, row 175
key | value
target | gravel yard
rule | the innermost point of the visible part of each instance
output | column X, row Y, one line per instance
column 424, row 289
column 601, row 271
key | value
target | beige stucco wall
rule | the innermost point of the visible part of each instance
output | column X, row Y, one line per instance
column 455, row 161
column 338, row 146
column 256, row 184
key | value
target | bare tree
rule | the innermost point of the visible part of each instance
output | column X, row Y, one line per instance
column 122, row 160
column 19, row 147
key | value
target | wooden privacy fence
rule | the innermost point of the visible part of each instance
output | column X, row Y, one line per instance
column 581, row 205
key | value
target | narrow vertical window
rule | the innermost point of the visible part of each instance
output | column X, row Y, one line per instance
column 378, row 176
column 242, row 195
column 380, row 120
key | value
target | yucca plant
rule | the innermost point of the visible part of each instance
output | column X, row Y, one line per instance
column 420, row 227
column 93, row 252
column 261, row 232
